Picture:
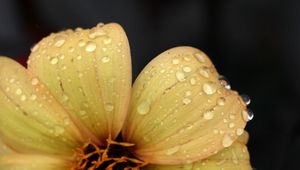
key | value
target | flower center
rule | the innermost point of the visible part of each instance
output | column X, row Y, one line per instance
column 114, row 156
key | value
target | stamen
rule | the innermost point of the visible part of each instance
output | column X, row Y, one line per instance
column 114, row 156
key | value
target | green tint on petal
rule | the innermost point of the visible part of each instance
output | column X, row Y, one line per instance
column 31, row 162
column 235, row 157
column 89, row 72
column 180, row 111
column 31, row 120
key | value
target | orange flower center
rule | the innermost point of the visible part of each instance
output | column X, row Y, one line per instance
column 114, row 156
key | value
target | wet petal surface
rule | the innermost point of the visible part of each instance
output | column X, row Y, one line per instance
column 180, row 111
column 89, row 72
column 31, row 120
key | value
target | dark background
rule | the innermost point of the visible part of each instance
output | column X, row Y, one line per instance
column 255, row 43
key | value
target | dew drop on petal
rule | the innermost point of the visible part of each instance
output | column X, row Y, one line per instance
column 143, row 108
column 250, row 114
column 199, row 57
column 204, row 72
column 90, row 46
column 82, row 112
column 19, row 91
column 54, row 60
column 109, row 107
column 187, row 69
column 81, row 43
column 175, row 61
column 227, row 141
column 193, row 81
column 180, row 76
column 221, row 101
column 186, row 101
column 105, row 59
column 173, row 150
column 224, row 82
column 231, row 125
column 247, row 115
column 239, row 131
column 34, row 81
column 59, row 41
column 33, row 97
column 35, row 48
column 209, row 88
column 107, row 40
column 96, row 32
column 246, row 99
column 208, row 115
column 23, row 97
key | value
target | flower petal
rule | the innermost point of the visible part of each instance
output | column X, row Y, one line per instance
column 31, row 120
column 89, row 71
column 234, row 157
column 32, row 162
column 180, row 111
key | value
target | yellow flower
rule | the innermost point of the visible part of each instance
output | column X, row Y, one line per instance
column 74, row 108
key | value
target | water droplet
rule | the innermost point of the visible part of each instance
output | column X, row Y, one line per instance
column 224, row 82
column 71, row 49
column 187, row 69
column 175, row 61
column 90, row 47
column 209, row 88
column 173, row 150
column 35, row 47
column 96, row 32
column 246, row 99
column 107, row 40
column 12, row 80
column 188, row 93
column 231, row 125
column 54, row 60
column 79, row 57
column 221, row 101
column 180, row 76
column 227, row 141
column 34, row 81
column 239, row 131
column 109, row 107
column 250, row 114
column 33, row 97
column 59, row 41
column 58, row 130
column 199, row 57
column 19, row 91
column 204, row 71
column 23, row 97
column 143, row 108
column 81, row 43
column 186, row 101
column 105, row 59
column 193, row 81
column 208, row 115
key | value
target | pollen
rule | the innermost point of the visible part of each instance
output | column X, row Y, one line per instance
column 114, row 156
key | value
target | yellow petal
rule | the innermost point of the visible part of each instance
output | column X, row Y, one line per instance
column 31, row 162
column 89, row 71
column 235, row 157
column 180, row 111
column 31, row 120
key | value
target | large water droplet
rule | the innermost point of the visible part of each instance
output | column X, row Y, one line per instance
column 54, row 60
column 250, row 114
column 204, row 71
column 227, row 141
column 23, row 97
column 172, row 151
column 96, row 32
column 246, row 99
column 90, row 46
column 143, row 108
column 59, row 41
column 175, row 61
column 180, row 76
column 81, row 43
column 209, row 88
column 247, row 115
column 224, row 82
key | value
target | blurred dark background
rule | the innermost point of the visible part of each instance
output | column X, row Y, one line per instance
column 255, row 43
